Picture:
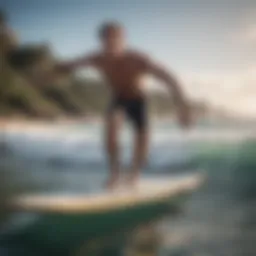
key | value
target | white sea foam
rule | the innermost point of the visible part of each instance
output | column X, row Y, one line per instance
column 84, row 143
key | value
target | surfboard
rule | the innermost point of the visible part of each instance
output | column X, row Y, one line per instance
column 146, row 191
column 64, row 221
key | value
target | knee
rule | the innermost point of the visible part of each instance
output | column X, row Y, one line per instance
column 141, row 134
column 111, row 139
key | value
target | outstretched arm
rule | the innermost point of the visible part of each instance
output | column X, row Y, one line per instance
column 90, row 60
column 173, row 84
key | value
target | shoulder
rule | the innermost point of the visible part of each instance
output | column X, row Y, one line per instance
column 138, row 55
column 141, row 58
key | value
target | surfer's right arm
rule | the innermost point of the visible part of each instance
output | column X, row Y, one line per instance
column 86, row 61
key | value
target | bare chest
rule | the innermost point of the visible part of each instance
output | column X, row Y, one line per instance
column 121, row 70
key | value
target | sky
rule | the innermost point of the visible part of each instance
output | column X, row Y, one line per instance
column 210, row 45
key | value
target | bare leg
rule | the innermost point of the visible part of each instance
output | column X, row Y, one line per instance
column 112, row 131
column 140, row 155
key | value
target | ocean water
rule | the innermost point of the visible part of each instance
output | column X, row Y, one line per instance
column 217, row 220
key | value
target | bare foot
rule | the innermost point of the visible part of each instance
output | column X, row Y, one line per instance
column 132, row 180
column 112, row 183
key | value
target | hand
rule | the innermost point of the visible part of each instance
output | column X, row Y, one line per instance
column 184, row 116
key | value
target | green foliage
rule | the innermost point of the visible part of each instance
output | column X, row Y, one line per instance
column 17, row 96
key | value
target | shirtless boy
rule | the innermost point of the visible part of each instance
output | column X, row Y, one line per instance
column 123, row 69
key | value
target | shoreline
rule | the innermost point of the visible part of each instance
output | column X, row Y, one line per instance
column 19, row 124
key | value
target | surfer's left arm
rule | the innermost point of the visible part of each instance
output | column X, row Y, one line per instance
column 172, row 83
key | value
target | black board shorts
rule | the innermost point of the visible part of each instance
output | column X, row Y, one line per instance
column 134, row 109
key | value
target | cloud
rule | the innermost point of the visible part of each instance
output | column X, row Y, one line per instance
column 250, row 34
column 235, row 92
column 247, row 31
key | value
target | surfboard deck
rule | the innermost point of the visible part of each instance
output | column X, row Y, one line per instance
column 64, row 222
column 147, row 190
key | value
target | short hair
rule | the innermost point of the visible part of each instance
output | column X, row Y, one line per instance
column 108, row 27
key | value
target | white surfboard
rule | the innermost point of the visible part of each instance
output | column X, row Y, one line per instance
column 147, row 191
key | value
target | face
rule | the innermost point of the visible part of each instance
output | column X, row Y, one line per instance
column 113, row 41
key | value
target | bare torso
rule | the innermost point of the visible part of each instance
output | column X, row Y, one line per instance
column 123, row 73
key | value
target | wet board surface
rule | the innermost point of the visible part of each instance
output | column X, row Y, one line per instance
column 148, row 190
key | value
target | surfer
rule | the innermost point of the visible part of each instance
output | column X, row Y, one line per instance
column 124, row 69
